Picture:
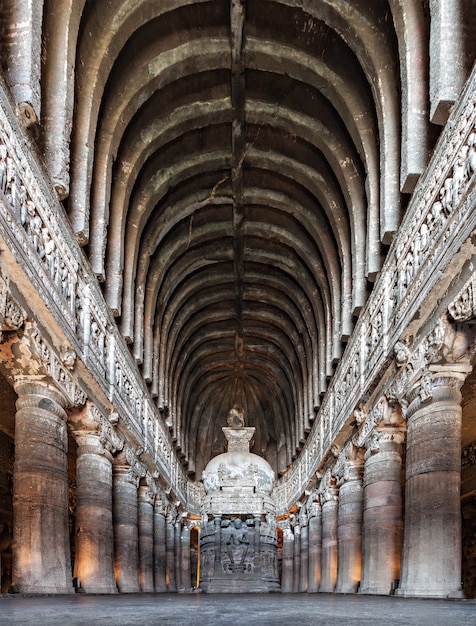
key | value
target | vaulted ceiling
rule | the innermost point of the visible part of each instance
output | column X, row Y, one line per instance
column 235, row 173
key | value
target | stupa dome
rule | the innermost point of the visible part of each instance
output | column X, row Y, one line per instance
column 238, row 469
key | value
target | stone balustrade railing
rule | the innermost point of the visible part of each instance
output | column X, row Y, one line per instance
column 440, row 217
column 35, row 227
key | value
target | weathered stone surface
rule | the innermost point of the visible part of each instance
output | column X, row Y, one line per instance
column 125, row 520
column 236, row 170
column 41, row 549
column 329, row 546
column 382, row 515
column 94, row 562
column 431, row 559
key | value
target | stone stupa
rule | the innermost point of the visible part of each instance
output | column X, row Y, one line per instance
column 238, row 541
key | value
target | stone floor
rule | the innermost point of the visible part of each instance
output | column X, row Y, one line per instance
column 242, row 609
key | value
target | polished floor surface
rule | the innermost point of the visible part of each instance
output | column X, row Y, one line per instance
column 234, row 610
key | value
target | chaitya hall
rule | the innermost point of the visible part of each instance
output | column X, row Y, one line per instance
column 238, row 297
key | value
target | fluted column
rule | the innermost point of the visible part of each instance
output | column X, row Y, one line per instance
column 329, row 539
column 186, row 580
column 349, row 528
column 315, row 545
column 146, row 538
column 160, row 583
column 170, row 549
column 297, row 556
column 304, row 573
column 125, row 515
column 41, row 548
column 94, row 562
column 431, row 558
column 287, row 570
column 382, row 517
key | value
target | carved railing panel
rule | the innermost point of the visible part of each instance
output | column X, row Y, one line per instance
column 36, row 230
column 440, row 217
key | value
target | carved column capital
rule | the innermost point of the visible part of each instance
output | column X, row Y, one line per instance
column 146, row 495
column 32, row 391
column 349, row 464
column 422, row 367
column 127, row 459
column 328, row 490
column 382, row 414
column 89, row 422
column 463, row 307
column 381, row 438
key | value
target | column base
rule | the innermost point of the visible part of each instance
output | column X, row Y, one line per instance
column 376, row 590
column 38, row 590
column 97, row 589
column 428, row 593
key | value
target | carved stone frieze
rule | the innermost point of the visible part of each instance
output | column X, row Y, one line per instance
column 468, row 456
column 90, row 419
column 463, row 308
column 382, row 414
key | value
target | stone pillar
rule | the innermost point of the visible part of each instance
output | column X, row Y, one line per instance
column 160, row 583
column 349, row 528
column 297, row 557
column 304, row 574
column 382, row 517
column 431, row 558
column 170, row 550
column 6, row 512
column 186, row 581
column 146, row 538
column 287, row 569
column 329, row 539
column 178, row 552
column 125, row 516
column 41, row 548
column 315, row 546
column 94, row 562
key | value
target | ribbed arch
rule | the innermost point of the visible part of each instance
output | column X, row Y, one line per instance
column 236, row 183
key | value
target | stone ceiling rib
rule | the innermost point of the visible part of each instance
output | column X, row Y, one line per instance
column 226, row 161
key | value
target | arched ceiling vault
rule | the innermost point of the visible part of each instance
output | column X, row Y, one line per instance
column 235, row 174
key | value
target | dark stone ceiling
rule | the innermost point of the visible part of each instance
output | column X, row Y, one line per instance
column 235, row 177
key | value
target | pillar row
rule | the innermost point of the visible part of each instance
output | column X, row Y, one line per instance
column 41, row 548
